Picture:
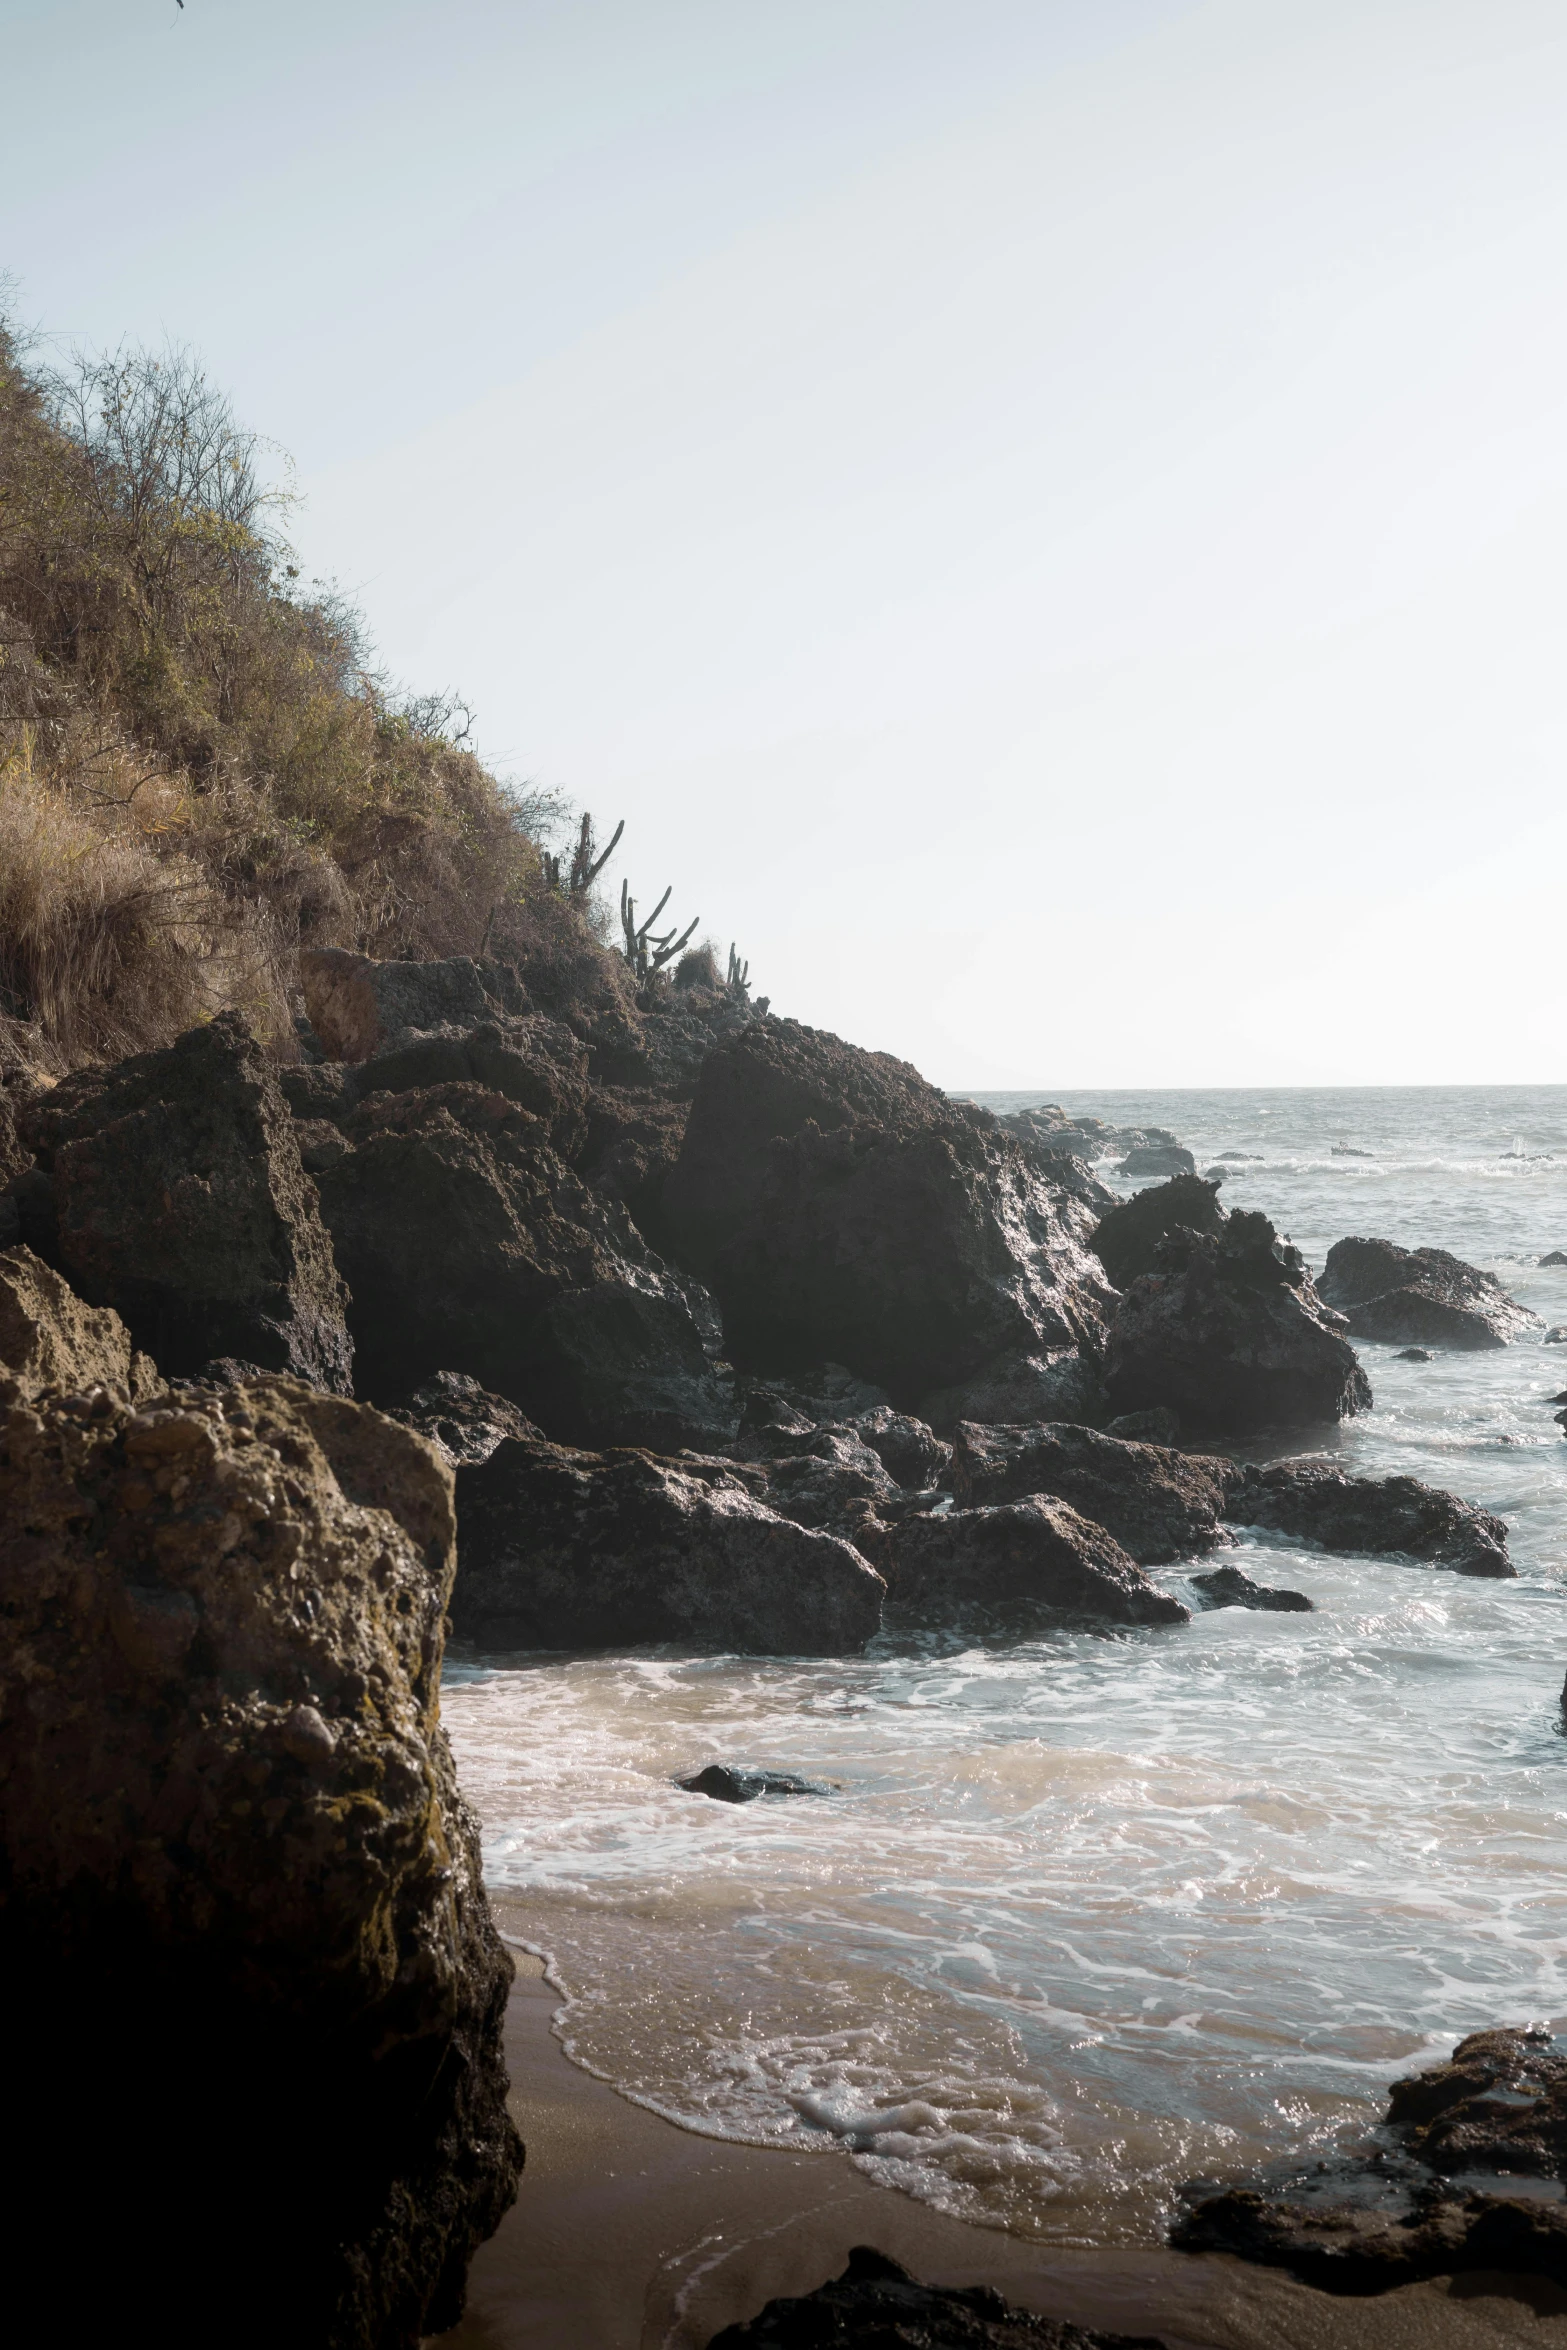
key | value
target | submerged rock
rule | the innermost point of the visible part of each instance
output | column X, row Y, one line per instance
column 1229, row 1587
column 1037, row 1558
column 567, row 1549
column 1415, row 1354
column 727, row 1783
column 50, row 1339
column 240, row 1895
column 878, row 2305
column 1228, row 1331
column 1159, row 1505
column 1318, row 1504
column 1420, row 1297
column 1126, row 1241
column 170, row 1187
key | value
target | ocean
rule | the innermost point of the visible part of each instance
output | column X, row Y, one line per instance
column 1084, row 1918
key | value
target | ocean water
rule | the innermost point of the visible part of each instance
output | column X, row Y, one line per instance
column 1084, row 1917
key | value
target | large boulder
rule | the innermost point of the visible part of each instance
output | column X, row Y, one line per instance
column 1229, row 1332
column 470, row 1246
column 240, row 1896
column 1319, row 1504
column 358, row 1007
column 1036, row 1558
column 1126, row 1240
column 170, row 1187
column 566, row 1549
column 836, row 1482
column 1157, row 1158
column 878, row 2305
column 49, row 1339
column 1159, row 1505
column 771, row 1080
column 1420, row 1297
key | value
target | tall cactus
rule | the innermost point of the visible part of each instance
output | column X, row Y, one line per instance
column 645, row 953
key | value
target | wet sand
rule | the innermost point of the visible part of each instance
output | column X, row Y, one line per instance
column 631, row 2234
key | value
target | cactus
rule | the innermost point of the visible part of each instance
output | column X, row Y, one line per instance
column 645, row 953
column 739, row 976
column 587, row 863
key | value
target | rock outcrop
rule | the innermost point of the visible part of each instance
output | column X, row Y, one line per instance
column 469, row 1246
column 1228, row 1331
column 1399, row 1515
column 833, row 1481
column 1126, row 1240
column 461, row 1419
column 565, row 1549
column 170, row 1187
column 1035, row 1559
column 1496, row 2112
column 240, row 1896
column 878, row 2305
column 1025, row 1384
column 49, row 1339
column 1420, row 1297
column 1159, row 1505
column 359, row 1007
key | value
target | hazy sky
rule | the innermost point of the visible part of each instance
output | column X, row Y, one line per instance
column 1049, row 521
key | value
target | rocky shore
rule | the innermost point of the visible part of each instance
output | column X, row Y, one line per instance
column 573, row 1309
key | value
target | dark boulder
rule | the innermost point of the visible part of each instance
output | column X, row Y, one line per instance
column 461, row 1419
column 1025, row 1384
column 1349, row 2249
column 170, row 1187
column 912, row 1454
column 1034, row 1558
column 833, row 1481
column 771, row 1080
column 240, row 1895
column 1159, row 1505
column 727, row 1783
column 1127, row 1239
column 1414, row 1354
column 1314, row 1503
column 1229, row 1332
column 469, row 1245
column 633, row 1140
column 1556, row 1257
column 1228, row 1587
column 877, row 2305
column 1420, row 1297
column 1158, row 1158
column 1158, row 1426
column 569, row 1549
column 1498, row 2104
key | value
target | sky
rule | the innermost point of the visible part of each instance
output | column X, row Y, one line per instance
column 1046, row 520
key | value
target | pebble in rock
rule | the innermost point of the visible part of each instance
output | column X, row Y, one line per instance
column 725, row 1784
column 877, row 2304
column 1228, row 1587
column 1413, row 1354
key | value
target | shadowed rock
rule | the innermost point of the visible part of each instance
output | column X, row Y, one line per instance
column 910, row 1452
column 1318, row 1504
column 1127, row 1239
column 1023, row 1385
column 1420, row 1297
column 240, row 1896
column 569, row 1549
column 170, row 1187
column 1159, row 1505
column 879, row 2306
column 1036, row 1557
column 727, row 1784
column 359, row 1007
column 49, row 1339
column 461, row 1419
column 1229, row 1332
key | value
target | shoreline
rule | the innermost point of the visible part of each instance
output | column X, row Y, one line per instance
column 630, row 2233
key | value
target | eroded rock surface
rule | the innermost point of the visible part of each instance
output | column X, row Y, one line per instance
column 1319, row 1504
column 880, row 2306
column 1037, row 1558
column 1126, row 1240
column 1228, row 1331
column 565, row 1549
column 170, row 1187
column 1159, row 1505
column 50, row 1339
column 240, row 1896
column 463, row 1420
column 1420, row 1297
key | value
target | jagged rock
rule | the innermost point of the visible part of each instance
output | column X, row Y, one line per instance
column 1126, row 1241
column 1160, row 1158
column 912, row 1454
column 725, row 1783
column 1314, row 1503
column 1498, row 2107
column 879, row 2306
column 1159, row 1426
column 1556, row 1257
column 229, row 1819
column 461, row 1419
column 321, row 1144
column 1022, row 1385
column 358, row 1006
column 170, row 1187
column 1037, row 1557
column 1228, row 1330
column 772, row 1080
column 569, row 1549
column 1420, row 1297
column 835, row 1482
column 50, row 1339
column 1229, row 1587
column 468, row 1245
column 633, row 1140
column 536, row 1063
column 1158, row 1505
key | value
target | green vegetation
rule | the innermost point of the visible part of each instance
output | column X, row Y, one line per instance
column 200, row 770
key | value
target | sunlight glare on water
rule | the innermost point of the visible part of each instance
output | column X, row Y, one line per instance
column 1082, row 1917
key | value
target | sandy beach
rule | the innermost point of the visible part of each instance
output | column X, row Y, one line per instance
column 631, row 2234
